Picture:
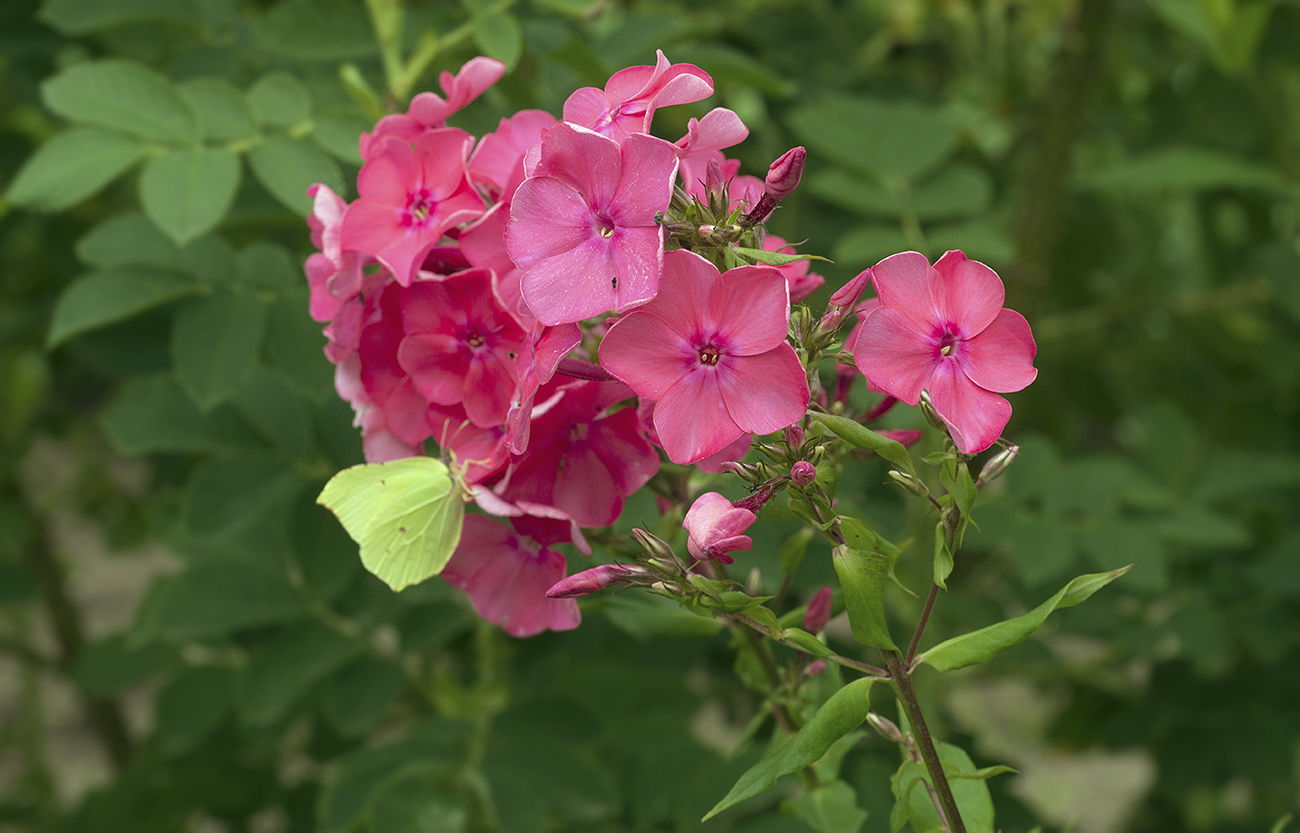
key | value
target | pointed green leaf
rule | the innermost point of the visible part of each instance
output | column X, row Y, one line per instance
column 156, row 415
column 124, row 96
column 863, row 576
column 841, row 714
column 776, row 258
column 112, row 295
column 187, row 192
column 499, row 36
column 287, row 166
column 128, row 240
column 860, row 436
column 942, row 557
column 913, row 802
column 406, row 515
column 215, row 342
column 830, row 809
column 223, row 110
column 72, row 166
column 986, row 643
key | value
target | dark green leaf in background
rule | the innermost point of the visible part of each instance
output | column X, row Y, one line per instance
column 72, row 166
column 280, row 100
column 223, row 109
column 156, row 415
column 215, row 344
column 879, row 138
column 498, row 34
column 79, row 17
column 287, row 166
column 124, row 96
column 128, row 239
column 219, row 596
column 187, row 192
column 290, row 665
column 112, row 295
column 192, row 706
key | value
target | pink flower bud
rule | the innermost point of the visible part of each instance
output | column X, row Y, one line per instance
column 846, row 296
column 589, row 581
column 803, row 473
column 714, row 183
column 818, row 612
column 815, row 667
column 784, row 174
column 887, row 728
column 794, row 435
column 831, row 320
column 994, row 468
column 714, row 527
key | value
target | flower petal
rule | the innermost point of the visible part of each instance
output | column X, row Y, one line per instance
column 547, row 217
column 973, row 293
column 588, row 161
column 753, row 304
column 646, row 354
column 893, row 354
column 907, row 281
column 767, row 392
column 692, row 419
column 974, row 415
column 1001, row 357
column 572, row 285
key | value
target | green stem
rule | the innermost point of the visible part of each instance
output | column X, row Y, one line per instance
column 386, row 17
column 920, row 625
column 912, row 708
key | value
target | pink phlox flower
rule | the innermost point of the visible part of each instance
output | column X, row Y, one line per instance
column 507, row 575
column 582, row 226
column 461, row 346
column 627, row 104
column 386, row 382
column 378, row 443
column 544, row 524
column 333, row 275
column 711, row 350
column 481, row 451
column 409, row 197
column 714, row 528
column 429, row 111
column 497, row 164
column 943, row 329
column 483, row 243
column 712, row 464
column 802, row 282
column 541, row 354
column 720, row 128
column 583, row 458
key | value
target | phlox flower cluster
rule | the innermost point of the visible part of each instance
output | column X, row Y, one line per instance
column 466, row 289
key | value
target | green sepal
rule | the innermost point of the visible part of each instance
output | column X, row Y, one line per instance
column 775, row 258
column 860, row 436
column 942, row 557
column 986, row 643
column 863, row 576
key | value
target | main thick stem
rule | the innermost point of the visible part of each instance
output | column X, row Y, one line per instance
column 912, row 708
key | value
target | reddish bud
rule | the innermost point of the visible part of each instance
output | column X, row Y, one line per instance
column 589, row 581
column 846, row 296
column 803, row 473
column 818, row 612
column 815, row 667
column 784, row 174
column 794, row 435
column 714, row 183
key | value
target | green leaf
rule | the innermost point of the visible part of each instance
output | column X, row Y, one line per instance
column 223, row 110
column 80, row 17
column 269, row 265
column 795, row 548
column 860, row 436
column 293, row 347
column 942, row 557
column 128, row 240
column 279, row 414
column 912, row 799
column 1186, row 169
column 112, row 295
column 878, row 138
column 226, row 496
column 339, row 135
column 218, row 596
column 405, row 514
column 775, row 258
column 355, row 699
column 841, row 714
column 192, row 706
column 124, row 96
column 869, row 244
column 314, row 31
column 806, row 642
column 648, row 616
column 156, row 415
column 863, row 575
column 498, row 34
column 957, row 190
column 280, row 100
column 986, row 643
column 419, row 799
column 215, row 342
column 287, row 166
column 291, row 664
column 116, row 663
column 829, row 809
column 187, row 192
column 72, row 166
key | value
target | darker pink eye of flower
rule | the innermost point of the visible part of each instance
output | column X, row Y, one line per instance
column 948, row 340
column 709, row 355
column 418, row 207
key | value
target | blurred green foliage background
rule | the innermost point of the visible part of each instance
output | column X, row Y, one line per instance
column 188, row 643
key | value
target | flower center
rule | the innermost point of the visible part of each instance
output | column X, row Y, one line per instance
column 476, row 340
column 605, row 227
column 709, row 355
column 948, row 342
column 418, row 208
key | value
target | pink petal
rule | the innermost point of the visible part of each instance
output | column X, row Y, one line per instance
column 754, row 304
column 906, row 281
column 390, row 174
column 1001, row 358
column 974, row 415
column 638, row 258
column 692, row 419
column 894, row 355
column 628, row 456
column 436, row 365
column 440, row 156
column 547, row 217
column 647, row 169
column 588, row 161
column 767, row 392
column 571, row 286
column 584, row 488
column 488, row 385
column 646, row 354
column 972, row 292
column 683, row 300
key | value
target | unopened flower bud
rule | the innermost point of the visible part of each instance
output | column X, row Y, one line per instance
column 931, row 416
column 589, row 581
column 754, row 582
column 794, row 435
column 815, row 667
column 909, row 483
column 993, row 468
column 886, row 727
column 847, row 296
column 818, row 612
column 744, row 471
column 657, row 547
column 784, row 174
column 714, row 183
column 706, row 231
column 831, row 320
column 803, row 473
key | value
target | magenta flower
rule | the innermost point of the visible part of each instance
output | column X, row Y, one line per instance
column 582, row 226
column 943, row 329
column 408, row 198
column 714, row 526
column 711, row 350
column 507, row 576
column 429, row 111
column 627, row 104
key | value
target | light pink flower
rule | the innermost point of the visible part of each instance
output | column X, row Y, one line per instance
column 714, row 528
column 711, row 350
column 943, row 329
column 627, row 104
column 429, row 111
column 497, row 164
column 409, row 197
column 582, row 226
column 333, row 275
column 507, row 576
